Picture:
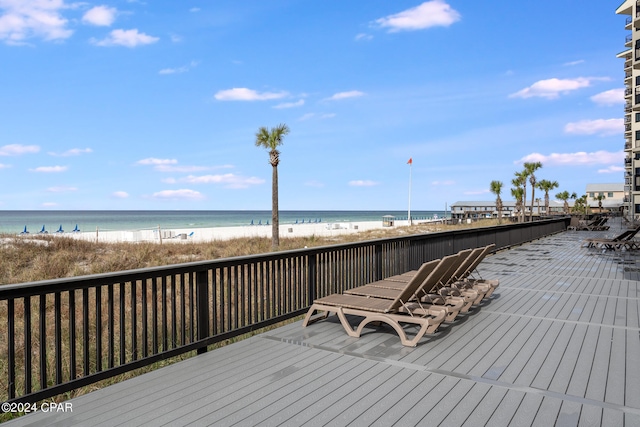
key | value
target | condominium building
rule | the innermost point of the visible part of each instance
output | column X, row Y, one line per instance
column 631, row 56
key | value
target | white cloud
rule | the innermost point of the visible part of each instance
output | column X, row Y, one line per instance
column 154, row 161
column 18, row 149
column 363, row 37
column 572, row 63
column 73, row 152
column 575, row 159
column 290, row 104
column 438, row 183
column 26, row 19
column 179, row 70
column 602, row 127
column 345, row 95
column 102, row 16
column 120, row 194
column 552, row 88
column 50, row 169
column 244, row 94
column 194, row 9
column 609, row 97
column 126, row 38
column 229, row 180
column 306, row 117
column 49, row 204
column 362, row 183
column 2, row 166
column 185, row 169
column 316, row 184
column 327, row 115
column 612, row 169
column 435, row 13
column 182, row 194
column 61, row 189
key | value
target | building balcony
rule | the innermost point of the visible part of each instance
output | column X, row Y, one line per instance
column 627, row 162
column 628, row 91
column 627, row 23
column 627, row 40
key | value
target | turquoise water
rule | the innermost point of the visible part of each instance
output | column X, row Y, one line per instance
column 15, row 221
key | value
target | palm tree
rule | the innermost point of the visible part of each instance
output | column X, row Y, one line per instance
column 599, row 198
column 531, row 168
column 564, row 196
column 546, row 186
column 518, row 194
column 496, row 188
column 520, row 181
column 271, row 139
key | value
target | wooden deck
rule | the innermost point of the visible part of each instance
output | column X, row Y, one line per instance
column 558, row 344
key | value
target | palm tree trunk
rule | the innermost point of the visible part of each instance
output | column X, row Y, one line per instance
column 275, row 229
column 533, row 192
column 524, row 202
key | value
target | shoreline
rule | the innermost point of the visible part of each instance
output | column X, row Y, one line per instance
column 211, row 234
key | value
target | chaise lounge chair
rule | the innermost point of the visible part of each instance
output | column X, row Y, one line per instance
column 464, row 278
column 622, row 240
column 426, row 296
column 461, row 276
column 394, row 312
column 444, row 289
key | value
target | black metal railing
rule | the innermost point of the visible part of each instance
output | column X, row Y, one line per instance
column 68, row 333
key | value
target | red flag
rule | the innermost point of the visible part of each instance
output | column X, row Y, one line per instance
column 410, row 162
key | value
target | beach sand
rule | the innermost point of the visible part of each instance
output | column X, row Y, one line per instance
column 226, row 233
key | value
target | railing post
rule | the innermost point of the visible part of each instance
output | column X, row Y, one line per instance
column 311, row 279
column 378, row 263
column 202, row 304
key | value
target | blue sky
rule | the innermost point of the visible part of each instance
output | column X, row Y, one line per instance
column 142, row 104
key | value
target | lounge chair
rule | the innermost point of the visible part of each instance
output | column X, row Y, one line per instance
column 60, row 230
column 25, row 231
column 43, row 231
column 460, row 276
column 393, row 312
column 466, row 279
column 623, row 240
column 443, row 290
column 426, row 295
column 76, row 230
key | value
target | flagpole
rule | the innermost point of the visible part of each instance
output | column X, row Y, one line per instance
column 409, row 212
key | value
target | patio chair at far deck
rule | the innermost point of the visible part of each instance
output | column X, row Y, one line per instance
column 438, row 269
column 601, row 225
column 394, row 312
column 582, row 225
column 622, row 240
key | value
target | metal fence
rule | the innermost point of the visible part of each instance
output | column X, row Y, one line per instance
column 68, row 333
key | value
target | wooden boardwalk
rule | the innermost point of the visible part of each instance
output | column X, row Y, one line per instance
column 558, row 344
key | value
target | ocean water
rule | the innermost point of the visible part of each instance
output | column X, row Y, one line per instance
column 15, row 221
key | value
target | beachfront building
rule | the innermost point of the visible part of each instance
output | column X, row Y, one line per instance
column 613, row 196
column 631, row 57
column 484, row 209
